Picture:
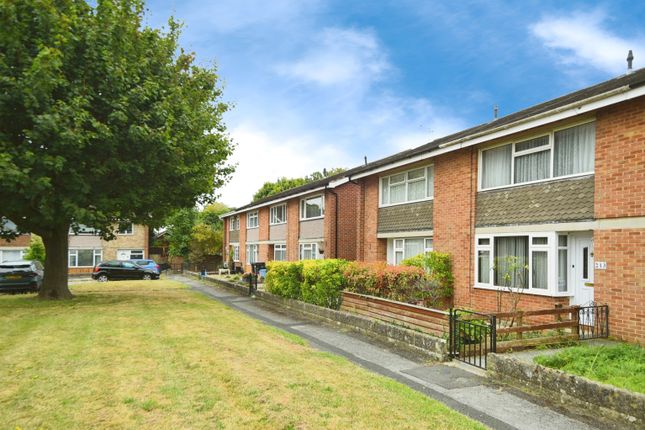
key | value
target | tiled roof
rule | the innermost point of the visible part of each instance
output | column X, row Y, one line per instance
column 558, row 201
column 409, row 217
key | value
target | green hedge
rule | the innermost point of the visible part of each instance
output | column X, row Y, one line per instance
column 391, row 282
column 319, row 282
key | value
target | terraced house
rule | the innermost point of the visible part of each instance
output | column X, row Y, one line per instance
column 559, row 186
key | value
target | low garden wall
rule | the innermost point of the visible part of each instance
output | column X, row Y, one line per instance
column 400, row 337
column 601, row 399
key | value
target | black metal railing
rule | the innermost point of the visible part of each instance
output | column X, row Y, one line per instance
column 593, row 322
column 472, row 336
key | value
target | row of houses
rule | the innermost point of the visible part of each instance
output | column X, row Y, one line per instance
column 560, row 185
column 86, row 248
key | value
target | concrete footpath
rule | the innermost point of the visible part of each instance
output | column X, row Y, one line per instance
column 468, row 392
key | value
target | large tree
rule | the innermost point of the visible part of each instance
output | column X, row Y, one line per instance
column 102, row 119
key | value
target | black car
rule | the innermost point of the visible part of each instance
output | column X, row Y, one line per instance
column 21, row 276
column 116, row 270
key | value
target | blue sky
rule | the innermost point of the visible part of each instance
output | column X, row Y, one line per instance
column 319, row 83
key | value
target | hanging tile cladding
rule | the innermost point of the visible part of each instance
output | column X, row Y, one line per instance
column 234, row 236
column 558, row 201
column 408, row 217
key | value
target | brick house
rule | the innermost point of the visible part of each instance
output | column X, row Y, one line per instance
column 302, row 223
column 86, row 248
column 15, row 249
column 560, row 186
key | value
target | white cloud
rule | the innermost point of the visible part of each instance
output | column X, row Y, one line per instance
column 582, row 39
column 340, row 56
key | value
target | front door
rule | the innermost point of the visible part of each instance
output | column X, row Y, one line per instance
column 123, row 254
column 582, row 267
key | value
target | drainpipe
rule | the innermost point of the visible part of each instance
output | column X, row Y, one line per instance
column 335, row 220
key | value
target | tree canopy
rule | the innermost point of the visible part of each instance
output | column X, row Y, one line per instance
column 102, row 119
column 284, row 183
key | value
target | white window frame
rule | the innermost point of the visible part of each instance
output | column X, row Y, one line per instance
column 303, row 205
column 515, row 154
column 398, row 246
column 83, row 230
column 252, row 253
column 130, row 233
column 313, row 247
column 234, row 223
column 552, row 260
column 97, row 256
column 255, row 216
column 273, row 217
column 426, row 175
column 236, row 253
column 280, row 247
column 21, row 250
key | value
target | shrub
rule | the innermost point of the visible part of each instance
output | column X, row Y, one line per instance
column 390, row 282
column 438, row 282
column 284, row 278
column 323, row 282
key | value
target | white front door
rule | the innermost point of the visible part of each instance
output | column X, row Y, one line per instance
column 582, row 267
column 123, row 254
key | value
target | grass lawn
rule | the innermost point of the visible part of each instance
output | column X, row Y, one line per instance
column 156, row 355
column 622, row 365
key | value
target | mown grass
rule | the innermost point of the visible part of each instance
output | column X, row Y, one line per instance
column 621, row 365
column 156, row 355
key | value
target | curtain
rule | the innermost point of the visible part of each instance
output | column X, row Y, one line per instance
column 511, row 258
column 574, row 150
column 413, row 247
column 496, row 166
column 430, row 179
column 483, row 267
column 540, row 270
column 416, row 190
column 85, row 257
column 385, row 187
column 532, row 167
column 397, row 193
column 562, row 270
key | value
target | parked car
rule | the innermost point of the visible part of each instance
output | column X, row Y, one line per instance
column 148, row 264
column 21, row 276
column 116, row 270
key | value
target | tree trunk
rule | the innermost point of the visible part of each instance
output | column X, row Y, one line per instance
column 56, row 248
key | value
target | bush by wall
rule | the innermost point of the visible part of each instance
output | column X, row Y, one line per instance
column 323, row 282
column 390, row 282
column 284, row 278
column 439, row 279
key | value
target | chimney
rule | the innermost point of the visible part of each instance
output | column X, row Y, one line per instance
column 365, row 160
column 630, row 58
column 495, row 111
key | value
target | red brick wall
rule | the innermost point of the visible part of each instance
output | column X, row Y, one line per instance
column 263, row 234
column 622, row 284
column 620, row 160
column 453, row 217
column 293, row 229
column 227, row 239
column 348, row 202
column 243, row 239
column 374, row 249
column 329, row 232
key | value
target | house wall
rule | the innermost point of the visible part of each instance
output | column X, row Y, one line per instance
column 371, row 248
column 137, row 240
column 263, row 218
column 406, row 217
column 620, row 196
column 348, row 202
column 312, row 229
column 278, row 232
column 293, row 229
column 252, row 234
column 21, row 241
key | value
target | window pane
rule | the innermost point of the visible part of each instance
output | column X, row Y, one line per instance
column 483, row 268
column 430, row 182
column 413, row 247
column 540, row 270
column 12, row 255
column 533, row 143
column 385, row 187
column 416, row 174
column 511, row 258
column 398, row 244
column 484, row 241
column 416, row 190
column 533, row 167
column 397, row 193
column 72, row 259
column 85, row 257
column 313, row 207
column 395, row 179
column 97, row 258
column 562, row 240
column 585, row 263
column 496, row 166
column 398, row 257
column 540, row 241
column 136, row 254
column 428, row 245
column 574, row 150
column 562, row 269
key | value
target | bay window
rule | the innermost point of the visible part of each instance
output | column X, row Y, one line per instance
column 560, row 153
column 278, row 214
column 312, row 207
column 532, row 262
column 411, row 186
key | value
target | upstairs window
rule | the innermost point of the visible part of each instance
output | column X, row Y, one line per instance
column 312, row 207
column 559, row 154
column 234, row 223
column 411, row 186
column 126, row 228
column 278, row 214
column 252, row 220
